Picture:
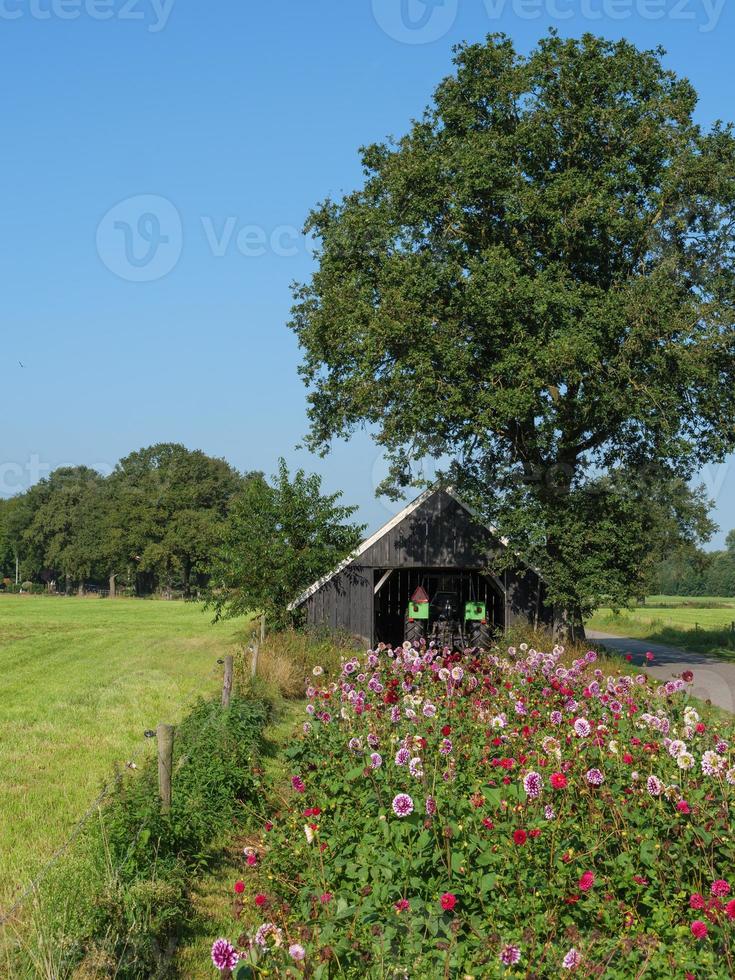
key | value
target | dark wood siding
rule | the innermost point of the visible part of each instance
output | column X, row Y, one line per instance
column 440, row 534
column 345, row 603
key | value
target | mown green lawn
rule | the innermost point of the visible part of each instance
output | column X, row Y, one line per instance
column 80, row 681
column 701, row 624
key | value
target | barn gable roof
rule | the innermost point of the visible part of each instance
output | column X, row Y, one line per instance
column 381, row 532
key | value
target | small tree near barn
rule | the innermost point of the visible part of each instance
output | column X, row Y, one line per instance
column 277, row 540
column 537, row 282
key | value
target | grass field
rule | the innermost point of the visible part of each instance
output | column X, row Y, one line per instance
column 701, row 624
column 80, row 681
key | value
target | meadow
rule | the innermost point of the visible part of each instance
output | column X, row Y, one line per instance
column 81, row 680
column 701, row 624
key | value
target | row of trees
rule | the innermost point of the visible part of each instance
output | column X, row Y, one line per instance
column 698, row 573
column 170, row 518
column 153, row 522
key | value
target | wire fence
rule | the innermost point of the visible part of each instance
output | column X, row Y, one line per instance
column 34, row 886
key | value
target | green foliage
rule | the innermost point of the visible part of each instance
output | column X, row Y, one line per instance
column 155, row 520
column 131, row 897
column 279, row 539
column 536, row 285
column 7, row 554
column 170, row 504
column 617, row 867
column 697, row 573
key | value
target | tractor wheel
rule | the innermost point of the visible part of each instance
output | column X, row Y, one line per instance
column 413, row 630
column 481, row 636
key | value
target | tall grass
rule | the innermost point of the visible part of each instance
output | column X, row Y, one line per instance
column 287, row 658
column 80, row 681
column 121, row 904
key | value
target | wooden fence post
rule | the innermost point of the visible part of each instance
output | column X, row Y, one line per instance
column 262, row 628
column 254, row 662
column 227, row 683
column 165, row 736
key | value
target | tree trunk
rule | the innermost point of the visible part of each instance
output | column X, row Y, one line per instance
column 113, row 576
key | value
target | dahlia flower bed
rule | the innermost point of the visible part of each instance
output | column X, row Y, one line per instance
column 489, row 815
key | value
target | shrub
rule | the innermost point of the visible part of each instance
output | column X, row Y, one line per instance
column 125, row 900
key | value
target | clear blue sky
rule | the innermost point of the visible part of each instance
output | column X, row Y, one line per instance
column 240, row 116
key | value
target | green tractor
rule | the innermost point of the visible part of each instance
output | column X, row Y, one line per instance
column 439, row 620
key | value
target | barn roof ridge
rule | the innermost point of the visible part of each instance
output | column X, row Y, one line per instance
column 377, row 535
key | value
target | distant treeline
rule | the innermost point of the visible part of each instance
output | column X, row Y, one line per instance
column 153, row 524
column 698, row 573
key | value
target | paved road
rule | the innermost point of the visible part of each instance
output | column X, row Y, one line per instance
column 714, row 679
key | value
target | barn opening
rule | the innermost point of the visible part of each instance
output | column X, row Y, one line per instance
column 394, row 587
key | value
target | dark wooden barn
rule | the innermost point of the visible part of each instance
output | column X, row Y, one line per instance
column 437, row 542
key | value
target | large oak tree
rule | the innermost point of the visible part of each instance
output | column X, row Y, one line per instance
column 536, row 285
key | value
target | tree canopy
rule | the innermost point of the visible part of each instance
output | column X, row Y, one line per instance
column 536, row 283
column 155, row 521
column 278, row 539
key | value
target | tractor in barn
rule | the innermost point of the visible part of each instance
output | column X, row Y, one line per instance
column 440, row 620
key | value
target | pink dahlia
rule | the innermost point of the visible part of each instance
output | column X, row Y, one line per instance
column 268, row 934
column 509, row 955
column 720, row 888
column 532, row 783
column 224, row 955
column 402, row 805
column 572, row 960
column 586, row 881
column 699, row 929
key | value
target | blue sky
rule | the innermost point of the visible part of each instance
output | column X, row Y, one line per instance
column 201, row 134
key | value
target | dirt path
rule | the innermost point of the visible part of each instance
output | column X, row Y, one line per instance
column 714, row 679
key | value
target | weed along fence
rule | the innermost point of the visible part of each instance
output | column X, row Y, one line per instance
column 165, row 733
column 126, row 867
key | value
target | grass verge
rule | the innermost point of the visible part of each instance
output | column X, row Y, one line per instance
column 80, row 681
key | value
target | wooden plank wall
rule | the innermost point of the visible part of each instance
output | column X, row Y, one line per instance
column 440, row 533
